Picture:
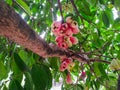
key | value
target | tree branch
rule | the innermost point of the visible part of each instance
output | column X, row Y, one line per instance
column 98, row 60
column 16, row 29
column 59, row 5
column 72, row 1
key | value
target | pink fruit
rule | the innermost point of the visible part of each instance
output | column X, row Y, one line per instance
column 67, row 40
column 59, row 39
column 56, row 27
column 69, row 20
column 74, row 40
column 65, row 30
column 69, row 32
column 75, row 30
column 67, row 60
column 63, row 66
column 68, row 79
column 83, row 75
column 74, row 24
column 62, row 45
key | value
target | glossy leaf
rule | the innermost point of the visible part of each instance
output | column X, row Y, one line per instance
column 28, row 82
column 27, row 57
column 41, row 77
column 97, row 70
column 24, row 6
column 3, row 71
column 15, row 85
column 116, row 23
column 102, row 70
column 105, row 19
column 21, row 65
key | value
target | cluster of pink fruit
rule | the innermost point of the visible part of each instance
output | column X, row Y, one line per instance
column 66, row 64
column 65, row 39
column 64, row 32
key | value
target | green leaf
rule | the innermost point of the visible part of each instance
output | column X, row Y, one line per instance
column 15, row 85
column 118, row 37
column 53, row 63
column 105, row 19
column 102, row 70
column 116, row 23
column 109, row 13
column 9, row 2
column 49, row 76
column 96, row 69
column 77, row 87
column 24, row 55
column 84, row 7
column 27, row 57
column 92, row 2
column 101, row 1
column 21, row 65
column 4, row 87
column 3, row 71
column 24, row 6
column 18, row 75
column 96, row 84
column 28, row 82
column 41, row 77
column 117, row 4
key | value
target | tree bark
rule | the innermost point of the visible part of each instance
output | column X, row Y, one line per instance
column 16, row 29
column 12, row 26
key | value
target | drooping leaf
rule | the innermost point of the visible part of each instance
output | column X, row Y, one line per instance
column 24, row 6
column 3, row 71
column 21, row 65
column 110, row 15
column 49, row 77
column 41, row 77
column 18, row 75
column 26, row 57
column 102, row 70
column 15, row 85
column 96, row 69
column 53, row 63
column 28, row 82
column 105, row 19
column 77, row 87
column 118, row 37
column 116, row 23
column 5, row 88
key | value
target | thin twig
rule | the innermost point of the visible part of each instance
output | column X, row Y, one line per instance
column 72, row 1
column 98, row 60
column 59, row 5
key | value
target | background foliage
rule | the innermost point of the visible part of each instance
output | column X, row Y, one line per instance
column 99, row 24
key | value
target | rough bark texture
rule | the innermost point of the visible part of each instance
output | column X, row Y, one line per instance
column 12, row 26
column 15, row 28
